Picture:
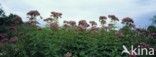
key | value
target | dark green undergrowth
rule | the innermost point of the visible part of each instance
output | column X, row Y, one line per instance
column 44, row 42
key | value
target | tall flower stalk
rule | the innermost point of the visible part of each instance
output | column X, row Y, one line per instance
column 83, row 25
column 113, row 21
column 55, row 16
column 127, row 21
column 102, row 20
column 52, row 21
column 93, row 25
column 32, row 15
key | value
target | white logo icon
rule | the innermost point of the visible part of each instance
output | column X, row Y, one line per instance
column 138, row 51
column 125, row 50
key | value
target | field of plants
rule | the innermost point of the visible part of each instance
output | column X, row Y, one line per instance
column 85, row 39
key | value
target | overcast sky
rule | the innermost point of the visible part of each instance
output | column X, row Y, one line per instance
column 140, row 10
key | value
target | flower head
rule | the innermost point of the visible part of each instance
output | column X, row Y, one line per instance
column 56, row 14
column 48, row 19
column 17, row 19
column 65, row 21
column 127, row 20
column 113, row 17
column 83, row 24
column 33, row 13
column 93, row 23
column 69, row 23
column 72, row 23
column 32, row 19
column 33, row 23
column 102, row 19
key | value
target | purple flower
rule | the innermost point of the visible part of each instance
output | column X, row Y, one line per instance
column 83, row 24
column 127, row 20
column 113, row 17
column 56, row 14
column 72, row 23
column 32, row 19
column 33, row 13
column 69, row 23
column 93, row 23
column 48, row 19
column 102, row 19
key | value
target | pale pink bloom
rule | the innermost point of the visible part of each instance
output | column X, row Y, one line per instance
column 32, row 19
column 56, row 14
column 17, row 19
column 33, row 13
column 93, row 23
column 102, row 20
column 72, row 23
column 83, row 24
column 69, row 23
column 102, row 17
column 48, row 19
column 127, row 20
column 113, row 17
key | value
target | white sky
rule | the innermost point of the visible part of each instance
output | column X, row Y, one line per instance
column 140, row 10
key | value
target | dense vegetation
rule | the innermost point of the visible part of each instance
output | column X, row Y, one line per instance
column 25, row 39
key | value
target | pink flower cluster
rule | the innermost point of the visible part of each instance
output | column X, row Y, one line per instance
column 83, row 25
column 56, row 14
column 113, row 17
column 102, row 19
column 128, row 21
column 33, row 13
column 32, row 17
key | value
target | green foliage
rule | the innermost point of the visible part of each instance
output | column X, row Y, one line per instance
column 151, row 28
column 7, row 22
column 36, row 42
column 2, row 13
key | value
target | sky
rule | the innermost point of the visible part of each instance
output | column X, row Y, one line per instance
column 140, row 10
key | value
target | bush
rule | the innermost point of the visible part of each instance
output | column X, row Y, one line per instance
column 35, row 42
